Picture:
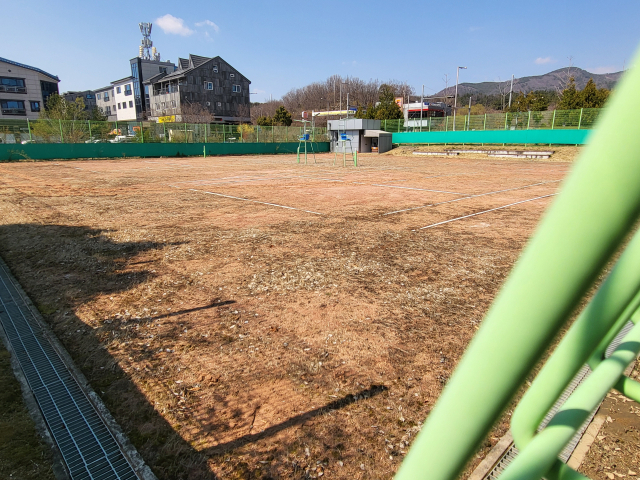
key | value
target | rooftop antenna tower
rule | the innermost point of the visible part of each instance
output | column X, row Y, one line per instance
column 146, row 50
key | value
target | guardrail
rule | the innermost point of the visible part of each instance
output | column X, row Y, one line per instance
column 589, row 221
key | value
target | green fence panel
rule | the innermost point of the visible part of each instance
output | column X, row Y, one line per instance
column 590, row 219
column 122, row 150
column 558, row 137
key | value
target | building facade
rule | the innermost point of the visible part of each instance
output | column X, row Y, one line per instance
column 141, row 70
column 24, row 90
column 88, row 96
column 123, row 99
column 105, row 101
column 209, row 83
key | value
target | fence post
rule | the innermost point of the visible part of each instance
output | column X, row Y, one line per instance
column 553, row 122
column 273, row 138
column 141, row 133
column 29, row 129
column 286, row 133
column 580, row 121
column 506, row 117
column 164, row 128
column 61, row 136
column 446, row 125
column 224, row 135
column 257, row 133
column 206, row 126
column 89, row 123
column 484, row 126
column 185, row 133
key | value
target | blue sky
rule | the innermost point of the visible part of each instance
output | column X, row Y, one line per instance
column 280, row 45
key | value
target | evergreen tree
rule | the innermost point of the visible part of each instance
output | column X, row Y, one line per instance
column 282, row 117
column 264, row 121
column 592, row 97
column 570, row 99
column 387, row 108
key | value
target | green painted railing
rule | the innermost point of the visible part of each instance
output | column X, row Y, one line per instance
column 586, row 225
column 580, row 119
column 85, row 131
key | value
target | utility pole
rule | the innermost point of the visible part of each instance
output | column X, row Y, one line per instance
column 421, row 106
column 510, row 91
column 455, row 102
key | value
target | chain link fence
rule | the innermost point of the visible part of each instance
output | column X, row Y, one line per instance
column 584, row 118
column 85, row 131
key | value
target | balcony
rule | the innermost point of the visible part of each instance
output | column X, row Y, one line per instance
column 14, row 111
column 10, row 89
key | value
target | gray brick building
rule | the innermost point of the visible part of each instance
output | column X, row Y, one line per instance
column 24, row 90
column 209, row 82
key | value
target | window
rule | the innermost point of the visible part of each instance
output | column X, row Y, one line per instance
column 130, row 103
column 108, row 110
column 173, row 103
column 106, row 96
column 124, row 104
column 162, row 69
column 97, row 96
column 219, row 104
column 236, row 88
column 35, row 106
column 89, row 96
column 208, row 85
column 127, row 89
column 164, row 104
column 215, row 69
column 232, row 75
column 12, row 107
column 119, row 106
column 114, row 107
column 15, row 85
column 118, row 89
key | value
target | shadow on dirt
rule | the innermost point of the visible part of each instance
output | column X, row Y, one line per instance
column 63, row 269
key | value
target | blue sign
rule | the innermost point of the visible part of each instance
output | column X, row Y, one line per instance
column 304, row 137
column 343, row 137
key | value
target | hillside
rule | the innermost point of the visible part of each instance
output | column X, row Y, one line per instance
column 548, row 81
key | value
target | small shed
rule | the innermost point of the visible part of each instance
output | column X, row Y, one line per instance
column 358, row 135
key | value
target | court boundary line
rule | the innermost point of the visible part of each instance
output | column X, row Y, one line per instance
column 485, row 211
column 254, row 201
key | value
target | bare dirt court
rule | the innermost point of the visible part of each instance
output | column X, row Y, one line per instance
column 232, row 337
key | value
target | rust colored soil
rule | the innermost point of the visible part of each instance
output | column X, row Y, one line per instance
column 234, row 338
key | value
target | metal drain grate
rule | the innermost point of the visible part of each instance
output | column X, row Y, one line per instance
column 584, row 372
column 87, row 446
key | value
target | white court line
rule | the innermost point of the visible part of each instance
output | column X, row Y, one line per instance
column 470, row 196
column 486, row 211
column 414, row 188
column 254, row 201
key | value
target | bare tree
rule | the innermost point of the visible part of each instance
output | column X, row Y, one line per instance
column 503, row 90
column 565, row 77
column 195, row 113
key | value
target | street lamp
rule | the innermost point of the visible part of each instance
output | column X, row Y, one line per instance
column 455, row 102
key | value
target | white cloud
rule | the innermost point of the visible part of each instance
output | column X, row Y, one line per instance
column 543, row 61
column 172, row 25
column 208, row 23
column 607, row 69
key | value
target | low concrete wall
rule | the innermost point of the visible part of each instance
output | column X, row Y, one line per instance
column 557, row 137
column 49, row 151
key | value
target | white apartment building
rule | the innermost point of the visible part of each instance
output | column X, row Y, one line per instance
column 123, row 99
column 106, row 102
column 24, row 90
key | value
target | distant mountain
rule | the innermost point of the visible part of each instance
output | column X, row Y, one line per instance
column 548, row 81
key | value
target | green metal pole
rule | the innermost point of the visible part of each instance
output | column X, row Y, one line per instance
column 555, row 271
column 529, row 121
column 356, row 158
column 305, row 153
column 164, row 128
column 506, row 118
column 206, row 128
column 204, row 151
column 88, row 123
column 273, row 139
column 580, row 121
column 141, row 133
column 185, row 133
column 446, row 125
column 258, row 134
column 485, row 122
column 29, row 129
column 298, row 155
column 553, row 122
column 61, row 136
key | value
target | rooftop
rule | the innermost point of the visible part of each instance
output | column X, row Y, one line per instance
column 11, row 62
